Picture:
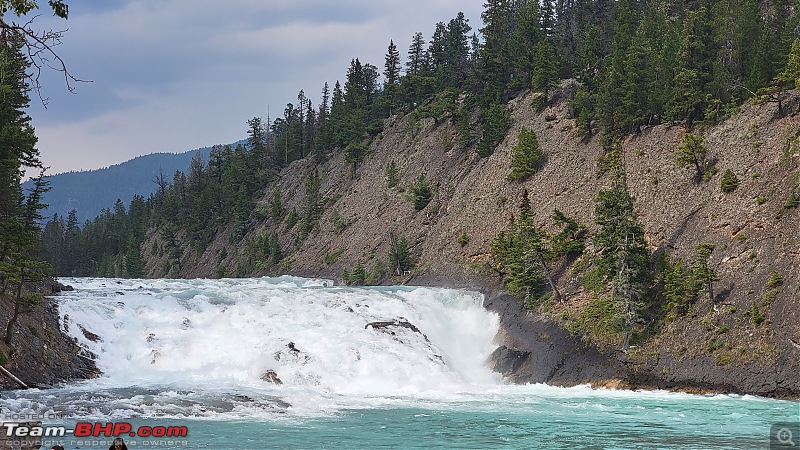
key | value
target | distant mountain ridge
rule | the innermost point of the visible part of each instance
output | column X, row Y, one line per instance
column 88, row 192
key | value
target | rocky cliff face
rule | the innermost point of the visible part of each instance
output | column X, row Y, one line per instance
column 717, row 347
column 41, row 355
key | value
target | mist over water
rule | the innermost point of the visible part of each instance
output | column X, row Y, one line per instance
column 199, row 352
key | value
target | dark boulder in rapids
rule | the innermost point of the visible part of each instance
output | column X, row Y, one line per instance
column 272, row 377
column 507, row 361
column 401, row 322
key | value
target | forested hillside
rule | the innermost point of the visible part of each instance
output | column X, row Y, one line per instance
column 89, row 192
column 636, row 62
column 628, row 170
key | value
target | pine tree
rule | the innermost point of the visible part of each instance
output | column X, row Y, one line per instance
column 694, row 76
column 354, row 153
column 355, row 102
column 495, row 55
column 703, row 275
column 421, row 192
column 416, row 55
column 790, row 76
column 729, row 181
column 521, row 255
column 391, row 174
column 338, row 117
column 693, row 152
column 302, row 107
column 526, row 156
column 134, row 262
column 19, row 216
column 322, row 136
column 496, row 119
column 415, row 80
column 625, row 258
column 312, row 203
column 277, row 211
column 618, row 105
column 528, row 33
column 392, row 74
column 257, row 141
column 680, row 289
column 456, row 51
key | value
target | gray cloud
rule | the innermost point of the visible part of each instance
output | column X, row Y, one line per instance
column 181, row 74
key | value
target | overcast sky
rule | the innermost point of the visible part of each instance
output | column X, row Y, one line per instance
column 175, row 75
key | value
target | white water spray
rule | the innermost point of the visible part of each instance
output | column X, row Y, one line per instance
column 236, row 336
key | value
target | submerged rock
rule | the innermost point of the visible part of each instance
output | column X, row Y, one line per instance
column 401, row 322
column 89, row 335
column 154, row 355
column 293, row 354
column 271, row 376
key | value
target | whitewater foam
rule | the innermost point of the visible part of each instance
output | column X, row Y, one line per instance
column 219, row 338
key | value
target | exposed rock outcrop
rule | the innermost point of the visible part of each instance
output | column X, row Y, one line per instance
column 41, row 355
column 402, row 323
column 271, row 376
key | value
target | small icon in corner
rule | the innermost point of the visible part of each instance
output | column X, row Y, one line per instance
column 785, row 435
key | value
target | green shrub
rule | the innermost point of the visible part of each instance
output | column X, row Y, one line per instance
column 358, row 276
column 793, row 201
column 463, row 239
column 221, row 271
column 332, row 257
column 292, row 219
column 769, row 297
column 526, row 156
column 729, row 181
column 338, row 222
column 391, row 175
column 594, row 280
column 775, row 279
column 421, row 193
column 399, row 254
column 712, row 346
column 692, row 152
column 755, row 315
column 601, row 321
column 354, row 153
column 760, row 200
column 708, row 174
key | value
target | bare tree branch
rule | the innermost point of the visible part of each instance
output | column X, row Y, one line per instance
column 40, row 46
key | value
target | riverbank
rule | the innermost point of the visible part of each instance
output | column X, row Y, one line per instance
column 40, row 354
column 536, row 349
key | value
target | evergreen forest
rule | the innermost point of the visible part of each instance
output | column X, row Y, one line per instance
column 637, row 63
